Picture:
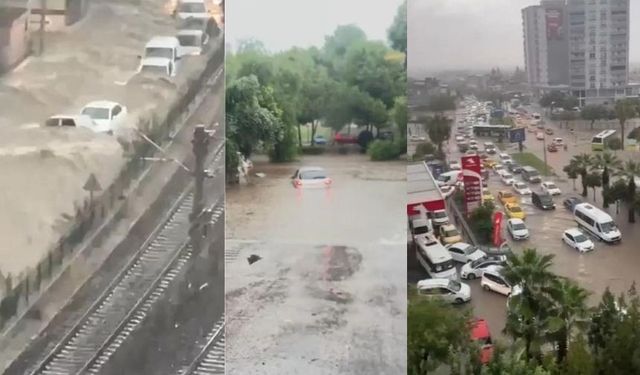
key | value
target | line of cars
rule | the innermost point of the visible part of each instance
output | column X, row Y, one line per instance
column 161, row 58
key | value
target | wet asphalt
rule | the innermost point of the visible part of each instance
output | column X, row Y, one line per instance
column 328, row 293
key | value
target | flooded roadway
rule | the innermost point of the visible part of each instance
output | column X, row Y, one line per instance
column 612, row 266
column 328, row 293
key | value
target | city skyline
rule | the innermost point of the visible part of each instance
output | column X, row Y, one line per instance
column 479, row 36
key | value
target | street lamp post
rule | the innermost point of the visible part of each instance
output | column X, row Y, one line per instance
column 544, row 153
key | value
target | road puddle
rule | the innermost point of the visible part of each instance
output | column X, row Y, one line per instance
column 340, row 262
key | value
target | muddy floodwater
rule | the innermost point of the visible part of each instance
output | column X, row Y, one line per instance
column 327, row 293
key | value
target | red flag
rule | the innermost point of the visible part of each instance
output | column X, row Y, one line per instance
column 497, row 228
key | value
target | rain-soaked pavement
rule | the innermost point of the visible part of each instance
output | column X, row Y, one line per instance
column 327, row 294
column 612, row 266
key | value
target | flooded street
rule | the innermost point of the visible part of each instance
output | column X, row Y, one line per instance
column 327, row 290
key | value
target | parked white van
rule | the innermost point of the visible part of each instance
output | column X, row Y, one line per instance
column 598, row 222
column 435, row 258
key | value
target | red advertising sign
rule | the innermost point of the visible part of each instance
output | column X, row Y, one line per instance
column 497, row 228
column 554, row 24
column 472, row 180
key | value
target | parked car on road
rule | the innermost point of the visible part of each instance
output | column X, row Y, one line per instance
column 543, row 201
column 475, row 269
column 514, row 168
column 448, row 290
column 481, row 335
column 449, row 234
column 506, row 196
column 514, row 211
column 577, row 240
column 539, row 136
column 552, row 147
column 319, row 140
column 493, row 280
column 571, row 202
column 311, row 177
column 521, row 188
column 463, row 252
column 517, row 229
column 548, row 131
column 550, row 188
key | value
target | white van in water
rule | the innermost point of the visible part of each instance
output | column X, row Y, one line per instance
column 164, row 49
column 596, row 221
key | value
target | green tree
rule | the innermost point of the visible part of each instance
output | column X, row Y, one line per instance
column 511, row 363
column 397, row 33
column 593, row 180
column 581, row 163
column 579, row 358
column 555, row 97
column 569, row 311
column 433, row 328
column 630, row 170
column 572, row 173
column 401, row 116
column 593, row 113
column 252, row 115
column 438, row 128
column 481, row 221
column 608, row 164
column 625, row 109
column 530, row 309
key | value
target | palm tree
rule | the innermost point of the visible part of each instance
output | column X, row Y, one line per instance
column 582, row 163
column 630, row 170
column 625, row 109
column 569, row 310
column 607, row 164
column 528, row 311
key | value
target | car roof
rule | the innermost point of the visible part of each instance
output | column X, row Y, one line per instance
column 494, row 269
column 548, row 182
column 516, row 221
column 448, row 226
column 162, row 42
column 460, row 245
column 480, row 329
column 573, row 231
column 155, row 61
column 433, row 283
column 102, row 104
column 79, row 118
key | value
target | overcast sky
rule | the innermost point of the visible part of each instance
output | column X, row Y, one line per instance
column 281, row 24
column 462, row 34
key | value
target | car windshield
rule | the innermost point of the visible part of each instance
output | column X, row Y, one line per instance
column 507, row 195
column 515, row 209
column 609, row 226
column 520, row 185
column 551, row 186
column 507, row 175
column 519, row 226
column 580, row 238
column 454, row 285
column 451, row 233
column 470, row 250
column 189, row 40
column 545, row 198
column 192, row 8
column 96, row 113
column 478, row 262
column 154, row 69
column 158, row 52
column 312, row 175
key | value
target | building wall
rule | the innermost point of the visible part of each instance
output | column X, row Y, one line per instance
column 18, row 46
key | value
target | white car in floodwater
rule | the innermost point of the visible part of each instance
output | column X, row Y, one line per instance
column 108, row 116
column 192, row 42
column 311, row 177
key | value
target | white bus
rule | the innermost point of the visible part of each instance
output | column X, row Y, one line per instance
column 435, row 258
column 598, row 222
column 600, row 141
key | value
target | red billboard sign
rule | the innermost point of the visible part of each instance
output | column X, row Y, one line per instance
column 553, row 17
column 497, row 228
column 472, row 180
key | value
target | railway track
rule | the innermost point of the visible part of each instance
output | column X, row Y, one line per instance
column 131, row 295
column 210, row 360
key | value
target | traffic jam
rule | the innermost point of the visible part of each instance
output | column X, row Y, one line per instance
column 443, row 194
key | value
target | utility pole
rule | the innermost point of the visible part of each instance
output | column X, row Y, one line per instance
column 43, row 22
column 200, row 144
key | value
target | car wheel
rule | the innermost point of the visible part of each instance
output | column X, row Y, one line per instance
column 458, row 301
column 486, row 287
column 471, row 276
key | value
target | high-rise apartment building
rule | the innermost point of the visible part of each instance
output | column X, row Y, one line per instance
column 583, row 44
column 546, row 43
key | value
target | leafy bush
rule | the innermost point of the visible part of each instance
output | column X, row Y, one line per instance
column 615, row 143
column 231, row 159
column 481, row 222
column 425, row 148
column 380, row 150
column 313, row 150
